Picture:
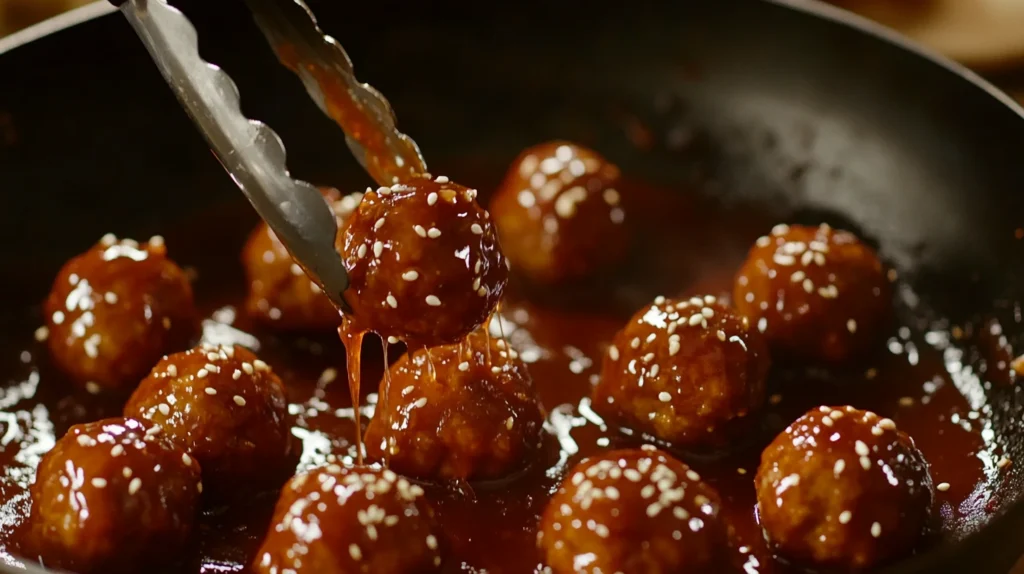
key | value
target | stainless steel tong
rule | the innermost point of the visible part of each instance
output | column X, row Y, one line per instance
column 251, row 151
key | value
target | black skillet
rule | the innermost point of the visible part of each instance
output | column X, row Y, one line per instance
column 795, row 106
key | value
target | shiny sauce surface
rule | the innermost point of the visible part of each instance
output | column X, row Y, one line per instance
column 684, row 246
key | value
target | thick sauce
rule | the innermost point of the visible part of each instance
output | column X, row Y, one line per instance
column 685, row 246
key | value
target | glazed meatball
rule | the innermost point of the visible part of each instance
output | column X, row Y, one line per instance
column 559, row 214
column 461, row 411
column 113, row 496
column 816, row 293
column 843, row 488
column 338, row 520
column 280, row 294
column 637, row 510
column 424, row 262
column 225, row 407
column 685, row 371
column 115, row 310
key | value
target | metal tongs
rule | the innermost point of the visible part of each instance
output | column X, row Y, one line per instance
column 252, row 152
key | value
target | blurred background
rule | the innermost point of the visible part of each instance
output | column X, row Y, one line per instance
column 987, row 35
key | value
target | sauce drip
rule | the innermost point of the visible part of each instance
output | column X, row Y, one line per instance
column 352, row 339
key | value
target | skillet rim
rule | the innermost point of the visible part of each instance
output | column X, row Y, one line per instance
column 815, row 8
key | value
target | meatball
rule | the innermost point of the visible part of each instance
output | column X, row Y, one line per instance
column 338, row 520
column 816, row 293
column 466, row 411
column 843, row 488
column 637, row 510
column 280, row 294
column 559, row 214
column 685, row 371
column 225, row 407
column 424, row 262
column 115, row 310
column 113, row 496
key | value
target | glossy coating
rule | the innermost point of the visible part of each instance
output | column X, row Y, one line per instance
column 227, row 408
column 424, row 262
column 559, row 213
column 637, row 510
column 114, row 310
column 843, row 488
column 280, row 293
column 336, row 520
column 113, row 496
column 457, row 412
column 686, row 371
column 815, row 292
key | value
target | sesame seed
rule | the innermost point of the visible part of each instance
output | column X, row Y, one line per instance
column 861, row 448
column 260, row 365
column 827, row 421
column 99, row 482
column 432, row 198
column 865, row 463
column 476, row 229
column 838, row 468
column 708, row 312
column 419, row 230
column 441, row 179
column 378, row 248
column 648, row 357
column 851, row 326
column 906, row 402
column 721, row 335
column 654, row 370
column 134, row 485
column 509, row 423
column 210, row 390
column 433, row 233
column 392, row 301
column 93, row 388
column 361, row 251
column 887, row 424
column 411, row 275
column 42, row 333
column 236, row 374
column 420, row 403
column 126, row 472
column 117, row 451
column 673, row 347
column 239, row 400
column 695, row 320
column 664, row 397
column 876, row 530
column 433, row 301
column 164, row 409
column 393, row 340
column 808, row 285
column 378, row 224
column 185, row 458
column 942, row 486
column 464, row 366
column 876, row 430
column 247, row 367
column 635, row 343
column 613, row 353
column 172, row 370
column 355, row 552
column 202, row 373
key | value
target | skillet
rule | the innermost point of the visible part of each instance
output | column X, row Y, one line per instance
column 793, row 105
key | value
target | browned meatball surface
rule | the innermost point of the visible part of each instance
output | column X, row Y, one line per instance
column 115, row 310
column 466, row 411
column 843, row 488
column 225, row 407
column 338, row 520
column 280, row 294
column 685, row 371
column 815, row 292
column 113, row 496
column 559, row 213
column 632, row 511
column 424, row 262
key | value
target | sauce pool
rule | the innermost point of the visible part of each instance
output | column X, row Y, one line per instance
column 686, row 246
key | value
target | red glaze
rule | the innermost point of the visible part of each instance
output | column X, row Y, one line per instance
column 559, row 213
column 113, row 496
column 228, row 409
column 685, row 371
column 114, row 310
column 424, row 262
column 336, row 520
column 843, row 488
column 815, row 292
column 280, row 294
column 465, row 411
column 637, row 510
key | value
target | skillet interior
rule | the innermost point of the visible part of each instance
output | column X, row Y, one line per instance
column 751, row 100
